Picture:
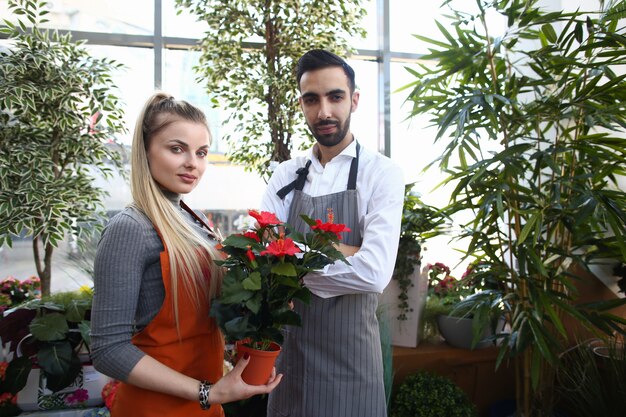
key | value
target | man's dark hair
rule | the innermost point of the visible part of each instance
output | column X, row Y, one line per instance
column 319, row 58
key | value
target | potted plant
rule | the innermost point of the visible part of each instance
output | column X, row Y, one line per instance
column 534, row 123
column 428, row 394
column 14, row 292
column 264, row 270
column 59, row 120
column 50, row 357
column 406, row 293
column 593, row 383
column 419, row 223
column 457, row 307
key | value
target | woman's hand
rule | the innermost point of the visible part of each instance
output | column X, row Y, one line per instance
column 232, row 388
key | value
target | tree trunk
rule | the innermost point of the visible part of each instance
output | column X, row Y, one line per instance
column 44, row 270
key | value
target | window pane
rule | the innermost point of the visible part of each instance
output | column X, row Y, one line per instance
column 365, row 120
column 179, row 79
column 370, row 23
column 225, row 189
column 184, row 25
column 111, row 16
column 413, row 147
column 403, row 25
column 135, row 81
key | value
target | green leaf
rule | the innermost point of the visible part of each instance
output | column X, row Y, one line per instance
column 57, row 382
column 528, row 227
column 49, row 327
column 253, row 282
column 75, row 311
column 549, row 32
column 85, row 331
column 55, row 358
column 16, row 375
column 286, row 269
column 287, row 318
column 254, row 303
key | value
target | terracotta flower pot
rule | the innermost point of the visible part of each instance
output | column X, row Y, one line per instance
column 261, row 362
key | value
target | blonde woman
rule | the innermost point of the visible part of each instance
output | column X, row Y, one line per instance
column 155, row 276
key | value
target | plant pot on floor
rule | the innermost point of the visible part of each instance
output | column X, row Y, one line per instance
column 261, row 362
column 457, row 331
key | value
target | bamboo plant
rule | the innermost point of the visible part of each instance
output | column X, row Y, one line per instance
column 534, row 122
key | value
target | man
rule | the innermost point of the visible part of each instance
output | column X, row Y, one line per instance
column 333, row 363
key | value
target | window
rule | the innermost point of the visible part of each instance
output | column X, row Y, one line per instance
column 125, row 31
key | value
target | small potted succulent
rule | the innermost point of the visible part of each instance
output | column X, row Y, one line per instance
column 264, row 271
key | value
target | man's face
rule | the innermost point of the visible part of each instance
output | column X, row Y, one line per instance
column 327, row 104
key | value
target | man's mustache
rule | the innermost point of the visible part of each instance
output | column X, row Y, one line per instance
column 327, row 123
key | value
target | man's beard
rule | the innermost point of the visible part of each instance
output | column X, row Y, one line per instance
column 334, row 138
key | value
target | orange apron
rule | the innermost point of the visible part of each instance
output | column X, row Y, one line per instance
column 198, row 353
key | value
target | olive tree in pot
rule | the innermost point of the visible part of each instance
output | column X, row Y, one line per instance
column 58, row 120
column 534, row 122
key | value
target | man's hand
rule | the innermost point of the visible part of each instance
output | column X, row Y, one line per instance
column 347, row 250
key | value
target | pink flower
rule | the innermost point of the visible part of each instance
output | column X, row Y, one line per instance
column 77, row 397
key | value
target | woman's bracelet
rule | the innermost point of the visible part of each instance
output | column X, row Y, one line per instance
column 203, row 395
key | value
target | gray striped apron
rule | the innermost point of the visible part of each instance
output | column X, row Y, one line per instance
column 333, row 363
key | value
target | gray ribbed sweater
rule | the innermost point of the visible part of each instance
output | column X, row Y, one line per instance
column 128, row 289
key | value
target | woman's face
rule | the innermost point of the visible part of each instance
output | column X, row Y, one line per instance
column 177, row 155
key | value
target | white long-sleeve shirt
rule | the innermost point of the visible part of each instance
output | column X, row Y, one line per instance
column 380, row 190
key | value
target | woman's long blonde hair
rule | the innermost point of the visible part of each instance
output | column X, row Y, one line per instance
column 191, row 256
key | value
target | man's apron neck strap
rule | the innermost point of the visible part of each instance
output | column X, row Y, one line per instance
column 354, row 169
column 302, row 173
column 298, row 182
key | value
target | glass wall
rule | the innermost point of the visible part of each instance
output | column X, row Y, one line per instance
column 125, row 30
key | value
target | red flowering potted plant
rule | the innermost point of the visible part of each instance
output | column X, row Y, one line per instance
column 264, row 271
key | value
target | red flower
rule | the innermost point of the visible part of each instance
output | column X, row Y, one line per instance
column 281, row 247
column 445, row 285
column 331, row 227
column 250, row 255
column 108, row 392
column 252, row 235
column 8, row 398
column 264, row 218
column 3, row 369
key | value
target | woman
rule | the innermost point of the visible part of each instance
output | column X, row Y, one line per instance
column 154, row 276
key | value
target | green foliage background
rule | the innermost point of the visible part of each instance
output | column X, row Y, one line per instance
column 58, row 124
column 258, row 83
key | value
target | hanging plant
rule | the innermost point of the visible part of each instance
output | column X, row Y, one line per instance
column 419, row 222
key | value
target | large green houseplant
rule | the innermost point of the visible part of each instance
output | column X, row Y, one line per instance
column 258, row 83
column 58, row 121
column 534, row 122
